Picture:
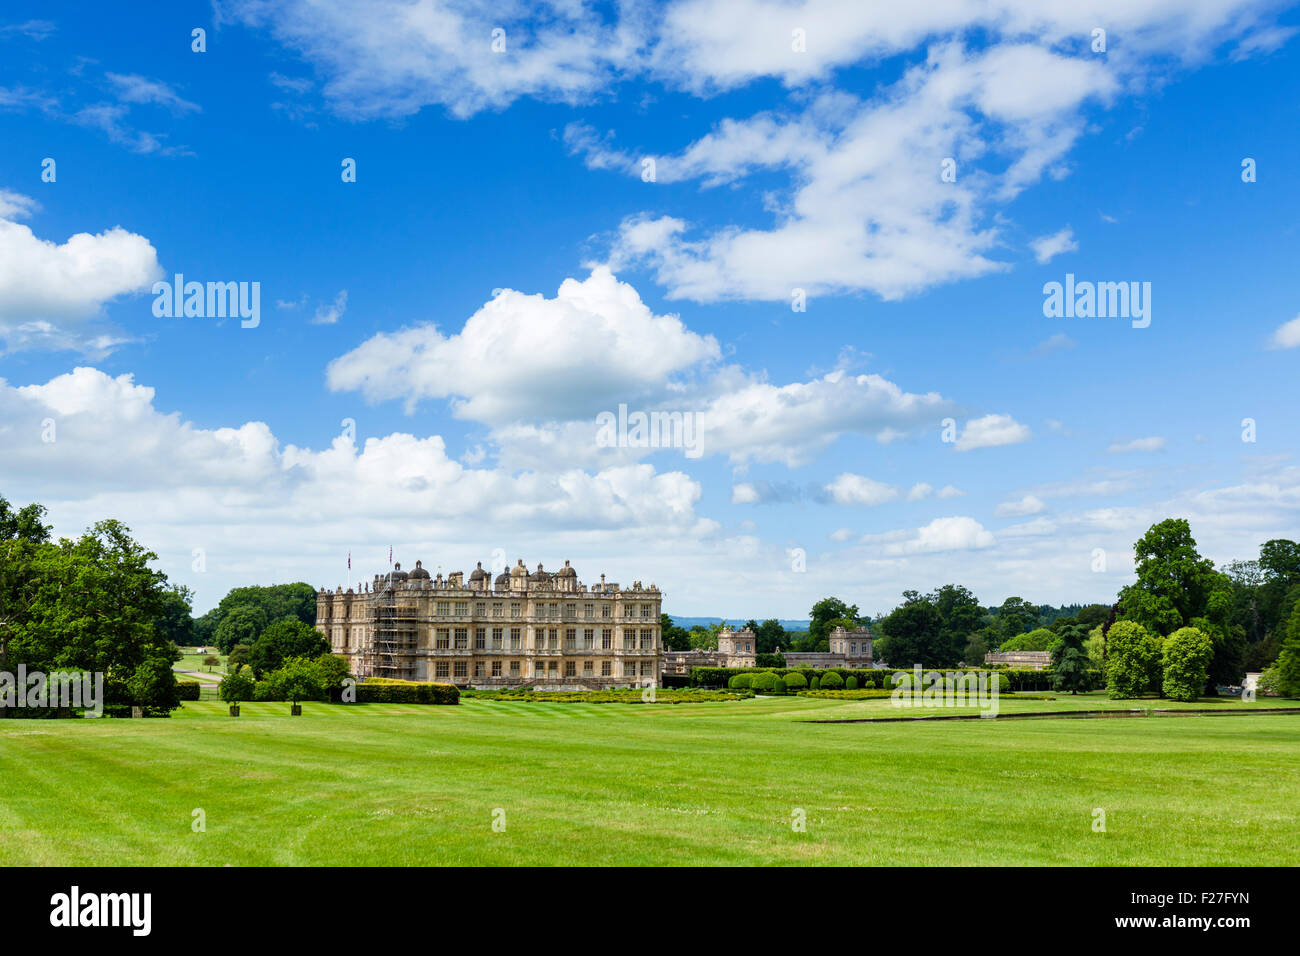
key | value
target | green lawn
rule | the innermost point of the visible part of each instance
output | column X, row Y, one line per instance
column 194, row 662
column 712, row 783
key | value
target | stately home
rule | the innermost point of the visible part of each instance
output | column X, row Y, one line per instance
column 847, row 649
column 521, row 629
column 735, row 649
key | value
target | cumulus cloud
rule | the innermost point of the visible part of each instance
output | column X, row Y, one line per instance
column 52, row 294
column 331, row 313
column 990, row 432
column 958, row 533
column 529, row 358
column 1287, row 335
column 851, row 489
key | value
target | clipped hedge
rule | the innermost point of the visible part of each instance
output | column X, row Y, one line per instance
column 188, row 689
column 832, row 681
column 392, row 692
column 740, row 682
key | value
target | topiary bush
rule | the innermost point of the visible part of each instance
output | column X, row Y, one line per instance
column 794, row 681
column 779, row 685
column 851, row 683
column 815, row 683
column 741, row 681
column 832, row 681
column 764, row 682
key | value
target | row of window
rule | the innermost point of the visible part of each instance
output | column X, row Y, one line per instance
column 445, row 670
column 501, row 638
column 543, row 611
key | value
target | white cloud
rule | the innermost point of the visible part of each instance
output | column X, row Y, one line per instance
column 841, row 534
column 51, row 295
column 529, row 358
column 851, row 489
column 1287, row 335
column 990, row 432
column 1138, row 444
column 1028, row 505
column 948, row 491
column 133, row 88
column 16, row 206
column 958, row 533
column 920, row 491
column 330, row 314
column 744, row 493
column 1046, row 248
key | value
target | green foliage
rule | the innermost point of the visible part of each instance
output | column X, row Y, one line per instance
column 913, row 633
column 1133, row 660
column 691, row 696
column 297, row 679
column 1015, row 616
column 763, row 682
column 1186, row 661
column 26, row 524
column 850, row 683
column 795, row 681
column 1039, row 639
column 1287, row 668
column 815, row 683
column 832, row 681
column 283, row 640
column 778, row 685
column 236, row 686
column 826, row 615
column 262, row 605
column 370, row 692
column 1071, row 667
column 153, row 687
column 187, row 690
column 1174, row 583
column 740, row 682
column 238, row 656
column 675, row 637
column 976, row 647
column 769, row 660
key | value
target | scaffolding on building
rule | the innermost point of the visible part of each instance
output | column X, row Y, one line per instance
column 394, row 635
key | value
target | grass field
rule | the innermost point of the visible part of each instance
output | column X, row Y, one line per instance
column 711, row 783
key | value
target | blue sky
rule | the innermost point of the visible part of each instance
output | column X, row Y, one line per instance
column 822, row 430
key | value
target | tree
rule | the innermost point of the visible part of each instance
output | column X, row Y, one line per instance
column 25, row 524
column 153, row 687
column 91, row 604
column 975, row 649
column 1287, row 667
column 283, row 640
column 332, row 670
column 175, row 622
column 1186, row 663
column 675, row 638
column 238, row 657
column 242, row 624
column 1279, row 559
column 961, row 614
column 1016, row 616
column 211, row 661
column 1133, row 660
column 236, row 686
column 276, row 602
column 1039, row 639
column 826, row 615
column 297, row 679
column 913, row 634
column 771, row 635
column 1070, row 661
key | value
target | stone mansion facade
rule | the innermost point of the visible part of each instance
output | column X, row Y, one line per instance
column 521, row 629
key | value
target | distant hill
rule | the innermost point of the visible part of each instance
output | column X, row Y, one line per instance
column 689, row 622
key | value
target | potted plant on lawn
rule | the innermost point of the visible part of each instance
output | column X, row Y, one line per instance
column 235, row 687
column 298, row 679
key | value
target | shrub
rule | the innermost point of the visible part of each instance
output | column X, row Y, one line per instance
column 764, row 682
column 740, row 681
column 815, row 683
column 778, row 685
column 298, row 679
column 794, row 681
column 187, row 689
column 851, row 683
column 374, row 692
column 1186, row 659
column 832, row 681
column 1133, row 660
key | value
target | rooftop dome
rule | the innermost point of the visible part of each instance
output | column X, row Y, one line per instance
column 519, row 571
column 397, row 574
column 419, row 571
column 566, row 571
column 539, row 575
column 503, row 581
column 478, row 574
